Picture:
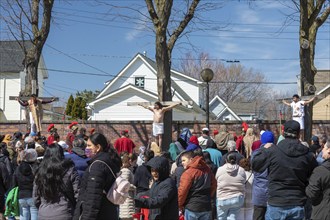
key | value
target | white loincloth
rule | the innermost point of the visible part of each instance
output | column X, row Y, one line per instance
column 157, row 128
column 300, row 120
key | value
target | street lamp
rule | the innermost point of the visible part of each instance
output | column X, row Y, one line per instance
column 207, row 76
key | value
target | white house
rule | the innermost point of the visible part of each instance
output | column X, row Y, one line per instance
column 222, row 111
column 12, row 79
column 137, row 82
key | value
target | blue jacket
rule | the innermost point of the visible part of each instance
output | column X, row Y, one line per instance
column 259, row 185
column 79, row 160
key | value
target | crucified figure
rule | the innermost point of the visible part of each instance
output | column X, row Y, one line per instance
column 158, row 119
column 34, row 105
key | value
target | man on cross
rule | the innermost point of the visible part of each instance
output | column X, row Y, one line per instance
column 34, row 105
column 158, row 119
column 298, row 111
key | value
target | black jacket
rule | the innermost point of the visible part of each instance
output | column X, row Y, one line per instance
column 4, row 184
column 318, row 191
column 92, row 202
column 289, row 164
column 142, row 178
column 163, row 195
column 23, row 178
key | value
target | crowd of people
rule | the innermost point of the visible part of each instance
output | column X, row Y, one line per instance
column 253, row 176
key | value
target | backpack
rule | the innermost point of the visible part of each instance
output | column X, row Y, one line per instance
column 118, row 192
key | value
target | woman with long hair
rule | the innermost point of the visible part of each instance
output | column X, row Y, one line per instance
column 56, row 186
column 97, row 179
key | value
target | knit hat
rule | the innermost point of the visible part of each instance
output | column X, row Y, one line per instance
column 30, row 155
column 291, row 128
column 194, row 140
column 315, row 139
column 267, row 137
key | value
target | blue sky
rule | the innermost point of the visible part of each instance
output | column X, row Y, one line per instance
column 82, row 39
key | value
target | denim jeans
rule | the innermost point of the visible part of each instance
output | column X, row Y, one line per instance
column 27, row 209
column 190, row 215
column 228, row 209
column 286, row 212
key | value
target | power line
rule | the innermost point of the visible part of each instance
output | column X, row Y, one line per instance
column 106, row 75
column 86, row 64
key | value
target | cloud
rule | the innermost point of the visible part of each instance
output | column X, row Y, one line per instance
column 249, row 16
column 139, row 27
column 230, row 48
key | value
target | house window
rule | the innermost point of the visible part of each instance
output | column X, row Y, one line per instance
column 139, row 82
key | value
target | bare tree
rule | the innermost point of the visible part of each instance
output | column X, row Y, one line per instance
column 231, row 82
column 23, row 21
column 168, row 20
column 311, row 15
column 28, row 21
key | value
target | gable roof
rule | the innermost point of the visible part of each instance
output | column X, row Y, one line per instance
column 227, row 108
column 128, row 86
column 151, row 64
column 12, row 56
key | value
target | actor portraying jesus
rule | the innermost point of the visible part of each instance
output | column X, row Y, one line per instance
column 34, row 105
column 298, row 111
column 158, row 119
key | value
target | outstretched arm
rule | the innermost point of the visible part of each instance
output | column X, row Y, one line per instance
column 309, row 101
column 165, row 109
column 22, row 103
column 46, row 102
column 147, row 107
column 286, row 103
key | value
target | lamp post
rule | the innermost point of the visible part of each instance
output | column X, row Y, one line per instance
column 207, row 76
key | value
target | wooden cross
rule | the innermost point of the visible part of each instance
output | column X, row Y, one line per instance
column 166, row 103
column 320, row 96
column 24, row 98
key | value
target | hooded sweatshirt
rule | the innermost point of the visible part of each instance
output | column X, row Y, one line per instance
column 230, row 181
column 289, row 164
column 163, row 194
column 197, row 186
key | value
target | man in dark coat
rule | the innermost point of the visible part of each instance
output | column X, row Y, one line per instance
column 289, row 164
column 162, row 198
column 318, row 189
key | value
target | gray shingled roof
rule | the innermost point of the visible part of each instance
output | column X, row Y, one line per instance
column 11, row 56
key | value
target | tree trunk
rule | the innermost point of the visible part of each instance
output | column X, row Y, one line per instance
column 164, row 84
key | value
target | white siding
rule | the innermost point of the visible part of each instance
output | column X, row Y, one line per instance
column 115, row 108
column 190, row 87
column 10, row 85
column 136, row 69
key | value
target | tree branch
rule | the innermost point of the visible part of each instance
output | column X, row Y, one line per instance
column 315, row 11
column 183, row 24
column 152, row 13
column 320, row 20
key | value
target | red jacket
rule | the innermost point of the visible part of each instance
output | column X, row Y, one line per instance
column 197, row 186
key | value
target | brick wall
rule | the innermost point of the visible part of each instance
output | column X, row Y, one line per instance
column 141, row 131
